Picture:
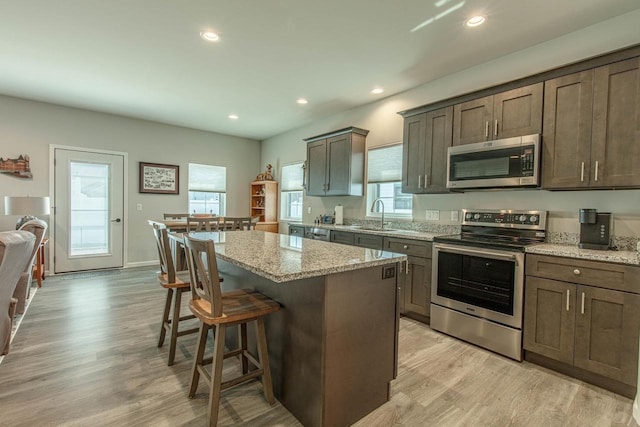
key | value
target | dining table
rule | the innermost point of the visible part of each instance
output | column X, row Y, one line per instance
column 333, row 345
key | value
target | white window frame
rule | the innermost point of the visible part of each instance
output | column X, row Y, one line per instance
column 218, row 188
column 287, row 191
column 373, row 192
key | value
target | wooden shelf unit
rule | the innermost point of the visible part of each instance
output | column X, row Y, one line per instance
column 264, row 203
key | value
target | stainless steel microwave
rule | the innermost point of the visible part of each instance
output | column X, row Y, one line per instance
column 510, row 162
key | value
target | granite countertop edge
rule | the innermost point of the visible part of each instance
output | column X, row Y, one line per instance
column 572, row 251
column 317, row 272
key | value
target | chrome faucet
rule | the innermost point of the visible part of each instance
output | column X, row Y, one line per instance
column 373, row 207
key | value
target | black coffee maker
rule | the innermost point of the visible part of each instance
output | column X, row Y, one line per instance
column 595, row 229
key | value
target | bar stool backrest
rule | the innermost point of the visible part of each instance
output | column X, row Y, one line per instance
column 164, row 251
column 203, row 272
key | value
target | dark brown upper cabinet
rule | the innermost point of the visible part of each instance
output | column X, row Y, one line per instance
column 424, row 162
column 335, row 163
column 507, row 114
column 591, row 135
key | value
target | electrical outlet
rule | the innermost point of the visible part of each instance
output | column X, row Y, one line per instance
column 309, row 209
column 455, row 216
column 139, row 206
column 433, row 215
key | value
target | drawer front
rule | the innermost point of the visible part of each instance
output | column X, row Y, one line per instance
column 618, row 277
column 368, row 241
column 407, row 246
column 343, row 237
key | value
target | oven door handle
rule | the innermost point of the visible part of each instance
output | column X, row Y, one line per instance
column 485, row 253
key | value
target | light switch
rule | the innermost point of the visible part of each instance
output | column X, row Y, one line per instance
column 309, row 209
column 139, row 206
column 433, row 215
column 454, row 216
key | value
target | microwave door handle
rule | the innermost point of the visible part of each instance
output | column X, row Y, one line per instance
column 477, row 252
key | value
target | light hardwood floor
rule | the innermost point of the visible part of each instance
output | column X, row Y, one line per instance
column 86, row 355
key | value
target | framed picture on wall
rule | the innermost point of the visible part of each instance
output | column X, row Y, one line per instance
column 159, row 179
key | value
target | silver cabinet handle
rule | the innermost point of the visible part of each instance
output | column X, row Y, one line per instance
column 576, row 272
column 419, row 181
column 495, row 128
column 407, row 268
column 582, row 172
column 596, row 174
column 426, row 181
column 582, row 308
column 486, row 129
column 568, row 296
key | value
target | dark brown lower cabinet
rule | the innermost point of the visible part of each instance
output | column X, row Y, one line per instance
column 415, row 281
column 591, row 328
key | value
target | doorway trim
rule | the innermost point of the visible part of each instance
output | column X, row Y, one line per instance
column 125, row 196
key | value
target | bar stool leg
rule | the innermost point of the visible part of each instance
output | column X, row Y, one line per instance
column 242, row 341
column 216, row 374
column 197, row 362
column 174, row 326
column 263, row 358
column 165, row 317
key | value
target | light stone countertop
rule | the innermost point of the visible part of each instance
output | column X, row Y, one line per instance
column 283, row 258
column 572, row 251
column 407, row 234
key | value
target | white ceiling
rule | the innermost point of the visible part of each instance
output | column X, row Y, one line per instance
column 145, row 58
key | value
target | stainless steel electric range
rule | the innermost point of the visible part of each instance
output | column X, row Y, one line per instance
column 477, row 285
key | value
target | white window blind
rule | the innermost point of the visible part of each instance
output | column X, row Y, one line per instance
column 207, row 178
column 384, row 164
column 292, row 177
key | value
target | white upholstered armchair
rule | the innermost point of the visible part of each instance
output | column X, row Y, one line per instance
column 15, row 249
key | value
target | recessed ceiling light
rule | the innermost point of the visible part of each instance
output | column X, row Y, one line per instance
column 302, row 101
column 209, row 36
column 377, row 90
column 475, row 21
column 233, row 116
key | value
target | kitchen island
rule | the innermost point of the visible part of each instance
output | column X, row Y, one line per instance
column 333, row 346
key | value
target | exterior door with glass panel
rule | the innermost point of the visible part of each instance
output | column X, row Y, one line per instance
column 88, row 210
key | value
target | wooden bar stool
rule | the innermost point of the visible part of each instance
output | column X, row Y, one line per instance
column 222, row 310
column 171, row 281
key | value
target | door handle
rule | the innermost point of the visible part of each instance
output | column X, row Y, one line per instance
column 568, row 296
column 419, row 181
column 582, row 308
column 116, row 220
column 582, row 172
column 596, row 175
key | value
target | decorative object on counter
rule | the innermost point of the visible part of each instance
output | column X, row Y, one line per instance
column 27, row 206
column 595, row 229
column 17, row 167
column 267, row 175
column 159, row 179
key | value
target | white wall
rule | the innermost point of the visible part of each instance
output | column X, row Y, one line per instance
column 386, row 126
column 28, row 127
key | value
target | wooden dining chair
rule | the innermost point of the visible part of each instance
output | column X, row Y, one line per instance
column 176, row 283
column 175, row 216
column 219, row 310
column 241, row 223
column 198, row 223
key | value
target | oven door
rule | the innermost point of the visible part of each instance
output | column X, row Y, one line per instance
column 480, row 282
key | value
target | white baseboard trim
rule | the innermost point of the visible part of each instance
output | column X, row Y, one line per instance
column 141, row 264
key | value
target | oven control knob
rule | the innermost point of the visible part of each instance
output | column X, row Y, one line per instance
column 468, row 216
column 533, row 219
column 576, row 272
column 476, row 216
column 522, row 218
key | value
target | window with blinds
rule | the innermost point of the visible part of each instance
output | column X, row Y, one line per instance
column 384, row 181
column 291, row 192
column 207, row 189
